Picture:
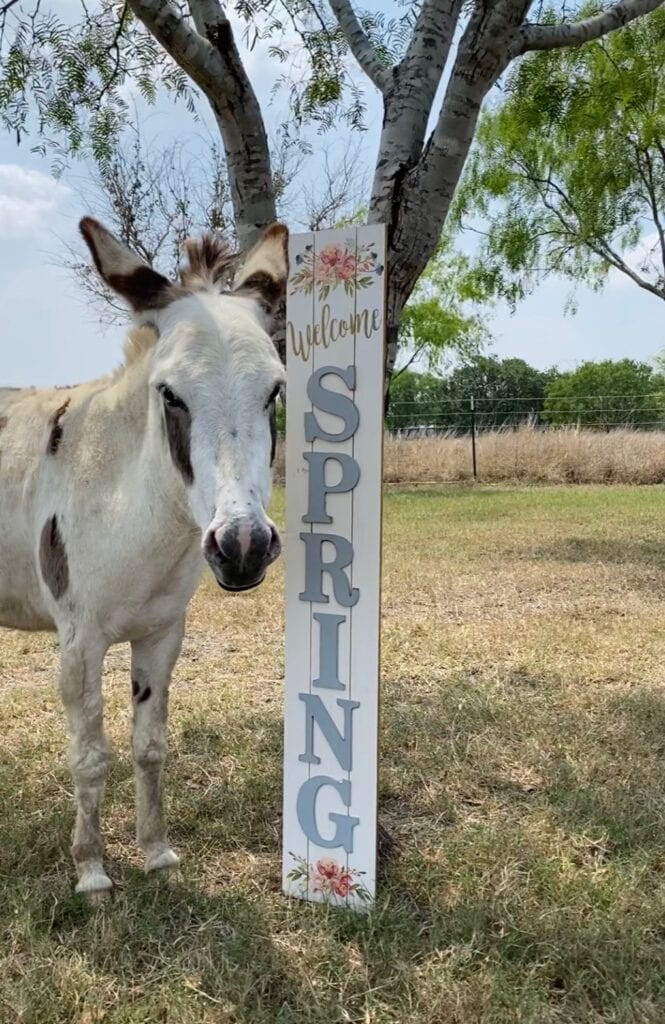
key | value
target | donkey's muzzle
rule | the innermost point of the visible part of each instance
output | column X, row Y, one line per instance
column 240, row 552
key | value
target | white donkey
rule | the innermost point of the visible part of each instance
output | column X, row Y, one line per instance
column 110, row 492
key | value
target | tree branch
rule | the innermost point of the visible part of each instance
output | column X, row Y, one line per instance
column 650, row 185
column 600, row 246
column 191, row 51
column 359, row 44
column 418, row 351
column 211, row 58
column 550, row 37
column 433, row 31
column 206, row 14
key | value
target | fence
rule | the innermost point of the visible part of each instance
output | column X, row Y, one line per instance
column 474, row 416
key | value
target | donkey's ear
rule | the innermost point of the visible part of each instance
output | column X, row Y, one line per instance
column 141, row 286
column 265, row 269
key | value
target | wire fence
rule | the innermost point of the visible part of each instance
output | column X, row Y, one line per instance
column 475, row 415
column 591, row 438
column 601, row 412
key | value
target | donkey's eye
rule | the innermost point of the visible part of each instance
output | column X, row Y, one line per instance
column 170, row 397
column 273, row 395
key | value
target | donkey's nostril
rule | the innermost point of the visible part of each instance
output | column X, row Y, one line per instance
column 213, row 549
column 275, row 545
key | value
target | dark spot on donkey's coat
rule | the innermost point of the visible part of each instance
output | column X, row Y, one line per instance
column 140, row 690
column 273, row 432
column 179, row 434
column 55, row 436
column 53, row 558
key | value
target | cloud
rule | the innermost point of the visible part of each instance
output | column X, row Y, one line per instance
column 27, row 199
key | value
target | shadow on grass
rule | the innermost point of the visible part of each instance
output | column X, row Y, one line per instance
column 604, row 551
column 618, row 796
column 477, row 912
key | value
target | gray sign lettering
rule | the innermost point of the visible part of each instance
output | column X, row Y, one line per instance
column 344, row 593
column 331, row 402
column 306, row 811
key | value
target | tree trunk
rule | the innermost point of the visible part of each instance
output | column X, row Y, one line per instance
column 210, row 57
column 413, row 196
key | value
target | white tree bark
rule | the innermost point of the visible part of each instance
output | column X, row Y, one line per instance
column 208, row 54
column 416, row 200
column 550, row 37
column 359, row 44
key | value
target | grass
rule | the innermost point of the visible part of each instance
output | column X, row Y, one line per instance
column 522, row 773
column 536, row 456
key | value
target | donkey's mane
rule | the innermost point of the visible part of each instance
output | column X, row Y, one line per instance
column 210, row 263
column 140, row 341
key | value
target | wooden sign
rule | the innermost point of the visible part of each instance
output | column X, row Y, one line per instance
column 334, row 444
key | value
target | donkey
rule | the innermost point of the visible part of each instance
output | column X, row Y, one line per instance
column 112, row 491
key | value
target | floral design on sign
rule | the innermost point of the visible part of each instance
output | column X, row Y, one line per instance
column 328, row 877
column 335, row 265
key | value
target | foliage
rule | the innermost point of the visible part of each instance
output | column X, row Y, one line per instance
column 415, row 399
column 509, row 392
column 64, row 81
column 606, row 394
column 329, row 89
column 569, row 170
column 505, row 391
column 436, row 325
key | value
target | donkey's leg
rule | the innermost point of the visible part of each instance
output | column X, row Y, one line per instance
column 81, row 689
column 153, row 659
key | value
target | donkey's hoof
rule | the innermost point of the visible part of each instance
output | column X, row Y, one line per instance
column 163, row 859
column 94, row 884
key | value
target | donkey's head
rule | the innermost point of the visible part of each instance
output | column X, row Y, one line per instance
column 214, row 379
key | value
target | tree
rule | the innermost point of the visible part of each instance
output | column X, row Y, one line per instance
column 435, row 323
column 605, row 395
column 153, row 198
column 73, row 76
column 570, row 168
column 505, row 391
column 415, row 400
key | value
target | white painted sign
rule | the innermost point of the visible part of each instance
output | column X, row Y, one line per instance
column 334, row 444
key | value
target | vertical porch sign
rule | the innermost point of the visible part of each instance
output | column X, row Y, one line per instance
column 334, row 446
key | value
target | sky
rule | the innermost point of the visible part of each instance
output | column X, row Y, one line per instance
column 51, row 335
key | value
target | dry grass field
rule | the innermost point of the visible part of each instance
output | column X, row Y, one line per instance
column 522, row 776
column 536, row 456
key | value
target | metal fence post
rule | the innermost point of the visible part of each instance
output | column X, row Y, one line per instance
column 472, row 405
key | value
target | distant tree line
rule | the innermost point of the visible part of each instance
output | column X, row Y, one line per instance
column 509, row 392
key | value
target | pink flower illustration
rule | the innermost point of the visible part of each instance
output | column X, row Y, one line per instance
column 342, row 884
column 327, row 867
column 349, row 266
column 329, row 878
column 335, row 264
